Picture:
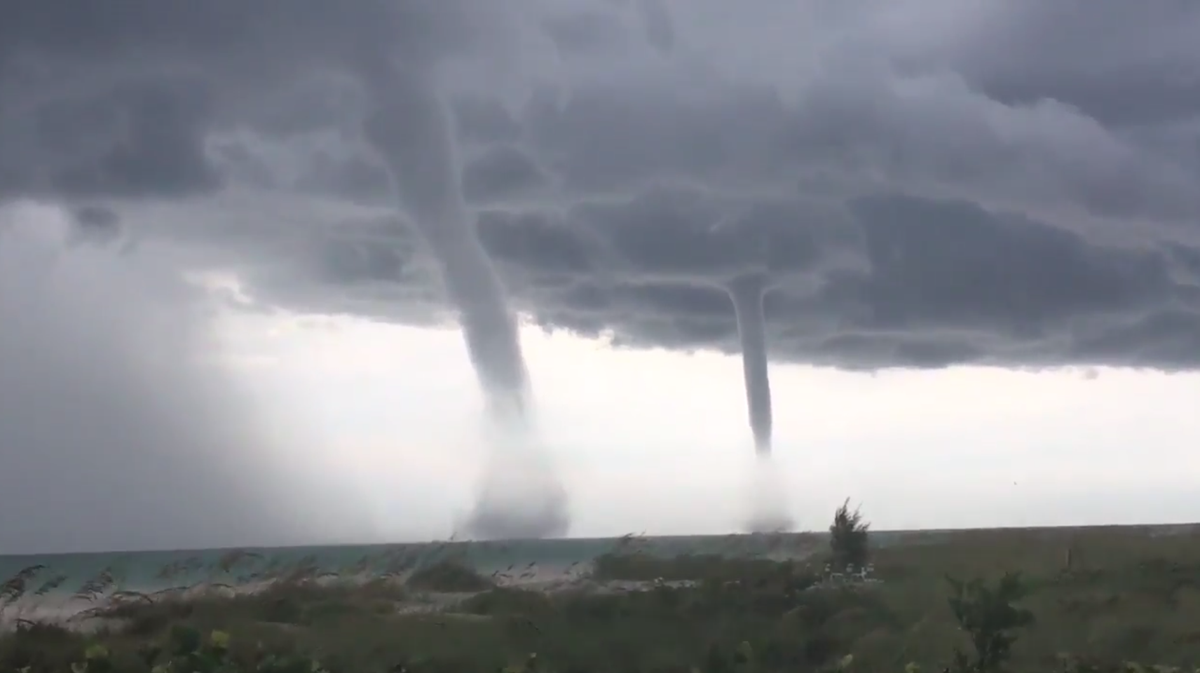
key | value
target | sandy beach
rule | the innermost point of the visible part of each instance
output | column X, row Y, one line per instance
column 76, row 613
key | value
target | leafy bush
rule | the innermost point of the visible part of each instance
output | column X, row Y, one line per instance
column 449, row 577
column 506, row 601
column 989, row 618
column 189, row 652
column 848, row 540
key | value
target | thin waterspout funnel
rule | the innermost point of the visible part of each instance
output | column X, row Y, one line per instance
column 747, row 294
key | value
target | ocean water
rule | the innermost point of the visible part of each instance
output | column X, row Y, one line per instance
column 155, row 570
column 149, row 571
column 143, row 571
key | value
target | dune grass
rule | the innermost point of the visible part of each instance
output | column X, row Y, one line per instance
column 1019, row 600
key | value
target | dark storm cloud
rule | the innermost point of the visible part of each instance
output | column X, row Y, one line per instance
column 586, row 32
column 501, row 171
column 538, row 243
column 930, row 133
column 355, row 178
column 482, row 120
column 256, row 39
column 96, row 224
column 955, row 263
column 677, row 233
column 349, row 262
column 1145, row 73
column 922, row 282
column 619, row 136
column 922, row 184
column 656, row 19
column 137, row 139
column 949, row 282
column 118, row 99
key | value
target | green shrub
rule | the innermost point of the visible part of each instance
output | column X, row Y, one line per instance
column 189, row 652
column 848, row 540
column 449, row 577
column 989, row 618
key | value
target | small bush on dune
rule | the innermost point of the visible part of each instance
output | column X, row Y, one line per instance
column 187, row 650
column 643, row 567
column 848, row 540
column 988, row 616
column 449, row 577
column 503, row 600
column 39, row 647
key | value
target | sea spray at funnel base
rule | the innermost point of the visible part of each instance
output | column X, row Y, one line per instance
column 521, row 496
column 747, row 295
column 411, row 131
column 767, row 501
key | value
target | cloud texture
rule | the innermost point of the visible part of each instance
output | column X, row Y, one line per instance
column 924, row 193
column 922, row 182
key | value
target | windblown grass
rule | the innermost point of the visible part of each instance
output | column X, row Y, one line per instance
column 1112, row 594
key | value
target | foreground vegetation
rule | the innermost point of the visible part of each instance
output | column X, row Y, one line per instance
column 1086, row 602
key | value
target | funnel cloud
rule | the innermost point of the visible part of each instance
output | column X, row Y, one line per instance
column 768, row 498
column 410, row 129
column 411, row 132
column 747, row 295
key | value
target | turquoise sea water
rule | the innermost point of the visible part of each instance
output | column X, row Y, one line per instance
column 142, row 571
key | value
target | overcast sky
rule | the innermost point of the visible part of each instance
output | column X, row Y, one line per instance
column 231, row 266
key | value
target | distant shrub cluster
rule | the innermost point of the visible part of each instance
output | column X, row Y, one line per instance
column 450, row 576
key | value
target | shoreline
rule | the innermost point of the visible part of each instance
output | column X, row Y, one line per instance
column 66, row 610
column 880, row 537
column 62, row 606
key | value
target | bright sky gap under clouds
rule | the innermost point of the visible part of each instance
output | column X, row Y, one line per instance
column 235, row 272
